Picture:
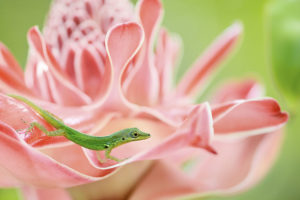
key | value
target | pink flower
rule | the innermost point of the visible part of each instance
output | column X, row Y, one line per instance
column 96, row 68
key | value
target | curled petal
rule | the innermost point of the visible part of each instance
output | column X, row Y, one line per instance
column 143, row 86
column 18, row 115
column 252, row 158
column 248, row 117
column 129, row 35
column 71, row 155
column 247, row 89
column 196, row 131
column 239, row 165
column 193, row 80
column 34, row 167
column 61, row 88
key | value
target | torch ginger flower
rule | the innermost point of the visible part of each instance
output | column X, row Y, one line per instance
column 96, row 68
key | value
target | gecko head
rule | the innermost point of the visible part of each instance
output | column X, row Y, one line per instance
column 136, row 134
column 127, row 135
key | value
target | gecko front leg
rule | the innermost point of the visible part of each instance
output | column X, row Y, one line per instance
column 107, row 155
column 99, row 157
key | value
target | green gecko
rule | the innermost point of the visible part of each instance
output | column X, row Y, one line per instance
column 105, row 143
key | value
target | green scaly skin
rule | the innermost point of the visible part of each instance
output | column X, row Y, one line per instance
column 105, row 143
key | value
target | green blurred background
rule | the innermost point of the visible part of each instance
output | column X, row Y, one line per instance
column 198, row 22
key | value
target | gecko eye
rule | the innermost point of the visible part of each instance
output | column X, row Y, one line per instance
column 123, row 138
column 135, row 134
column 106, row 146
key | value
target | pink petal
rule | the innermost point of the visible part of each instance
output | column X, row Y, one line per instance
column 239, row 164
column 252, row 157
column 127, row 35
column 85, row 118
column 248, row 117
column 30, row 193
column 37, row 42
column 7, row 179
column 119, row 59
column 86, row 68
column 246, row 89
column 72, row 156
column 193, row 81
column 117, row 186
column 163, row 181
column 158, row 130
column 166, row 55
column 89, row 77
column 62, row 90
column 15, row 114
column 32, row 166
column 84, row 121
column 10, row 83
column 196, row 131
column 19, row 115
column 68, row 57
column 11, row 74
column 172, row 113
column 143, row 86
column 7, row 59
column 150, row 13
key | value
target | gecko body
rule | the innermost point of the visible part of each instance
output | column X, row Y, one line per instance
column 105, row 143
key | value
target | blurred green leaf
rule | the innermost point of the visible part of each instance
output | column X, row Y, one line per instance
column 283, row 26
column 9, row 194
